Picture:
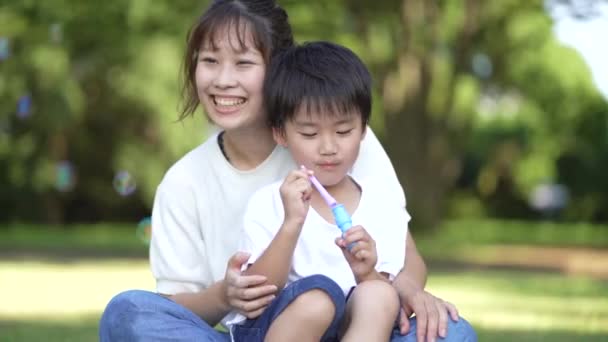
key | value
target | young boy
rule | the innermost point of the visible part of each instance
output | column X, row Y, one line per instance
column 319, row 100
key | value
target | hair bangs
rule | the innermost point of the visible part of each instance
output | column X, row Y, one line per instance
column 239, row 27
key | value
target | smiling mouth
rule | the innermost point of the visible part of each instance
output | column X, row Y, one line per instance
column 228, row 101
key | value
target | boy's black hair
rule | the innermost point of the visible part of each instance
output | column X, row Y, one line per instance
column 322, row 76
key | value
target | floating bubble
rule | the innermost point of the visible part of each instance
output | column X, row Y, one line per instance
column 24, row 107
column 56, row 33
column 144, row 230
column 549, row 198
column 65, row 179
column 5, row 49
column 482, row 65
column 124, row 183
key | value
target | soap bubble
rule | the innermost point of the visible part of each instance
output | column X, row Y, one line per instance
column 65, row 179
column 124, row 183
column 24, row 107
column 144, row 230
column 482, row 65
column 56, row 33
column 5, row 49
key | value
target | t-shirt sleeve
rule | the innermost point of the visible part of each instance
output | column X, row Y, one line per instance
column 177, row 253
column 374, row 165
column 391, row 240
column 263, row 218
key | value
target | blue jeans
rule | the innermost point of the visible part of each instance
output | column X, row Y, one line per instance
column 146, row 316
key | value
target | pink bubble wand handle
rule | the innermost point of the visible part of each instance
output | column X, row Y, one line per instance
column 331, row 202
column 341, row 216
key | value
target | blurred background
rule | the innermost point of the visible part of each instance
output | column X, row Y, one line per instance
column 494, row 114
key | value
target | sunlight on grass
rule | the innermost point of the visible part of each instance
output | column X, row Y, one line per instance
column 525, row 301
column 63, row 301
column 71, row 289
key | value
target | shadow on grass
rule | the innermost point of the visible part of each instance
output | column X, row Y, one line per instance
column 18, row 331
column 39, row 330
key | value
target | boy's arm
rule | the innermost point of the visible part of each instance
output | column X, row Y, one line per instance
column 275, row 262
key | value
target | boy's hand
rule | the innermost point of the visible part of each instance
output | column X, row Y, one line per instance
column 362, row 257
column 295, row 194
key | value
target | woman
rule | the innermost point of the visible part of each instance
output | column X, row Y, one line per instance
column 200, row 202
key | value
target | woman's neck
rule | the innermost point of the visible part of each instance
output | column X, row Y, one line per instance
column 248, row 148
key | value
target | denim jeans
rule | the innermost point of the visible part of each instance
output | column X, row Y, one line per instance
column 254, row 330
column 146, row 316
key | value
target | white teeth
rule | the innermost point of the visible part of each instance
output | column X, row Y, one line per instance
column 228, row 102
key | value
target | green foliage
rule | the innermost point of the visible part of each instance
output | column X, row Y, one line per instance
column 103, row 81
column 477, row 96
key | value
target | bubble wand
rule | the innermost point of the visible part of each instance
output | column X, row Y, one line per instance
column 341, row 216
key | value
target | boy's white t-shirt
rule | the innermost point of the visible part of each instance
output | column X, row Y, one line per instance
column 316, row 251
column 199, row 206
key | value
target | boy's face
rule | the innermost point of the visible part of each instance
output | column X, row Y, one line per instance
column 328, row 144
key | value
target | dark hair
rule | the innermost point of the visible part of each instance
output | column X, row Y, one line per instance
column 325, row 77
column 265, row 20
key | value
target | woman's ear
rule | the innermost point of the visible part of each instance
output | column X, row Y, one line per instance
column 279, row 136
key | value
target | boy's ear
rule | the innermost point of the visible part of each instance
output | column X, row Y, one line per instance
column 279, row 136
column 363, row 132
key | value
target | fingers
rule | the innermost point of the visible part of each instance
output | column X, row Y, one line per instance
column 442, row 327
column 237, row 260
column 252, row 308
column 297, row 181
column 356, row 234
column 432, row 319
column 421, row 322
column 404, row 322
column 251, row 293
column 362, row 250
column 452, row 310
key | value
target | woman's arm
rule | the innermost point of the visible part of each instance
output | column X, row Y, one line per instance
column 413, row 276
column 431, row 312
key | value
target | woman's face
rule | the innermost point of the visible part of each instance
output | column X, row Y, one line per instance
column 230, row 79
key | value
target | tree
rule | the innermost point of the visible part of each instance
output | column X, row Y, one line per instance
column 437, row 62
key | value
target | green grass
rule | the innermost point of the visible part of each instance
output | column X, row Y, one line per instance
column 502, row 305
column 121, row 238
column 82, row 239
column 62, row 299
column 484, row 232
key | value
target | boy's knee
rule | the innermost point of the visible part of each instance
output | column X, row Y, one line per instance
column 377, row 293
column 315, row 306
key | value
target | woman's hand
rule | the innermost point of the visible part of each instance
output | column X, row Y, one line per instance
column 296, row 191
column 362, row 256
column 246, row 294
column 431, row 314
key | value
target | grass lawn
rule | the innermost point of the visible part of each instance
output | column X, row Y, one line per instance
column 61, row 299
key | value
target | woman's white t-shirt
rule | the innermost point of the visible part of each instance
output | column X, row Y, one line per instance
column 197, row 219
